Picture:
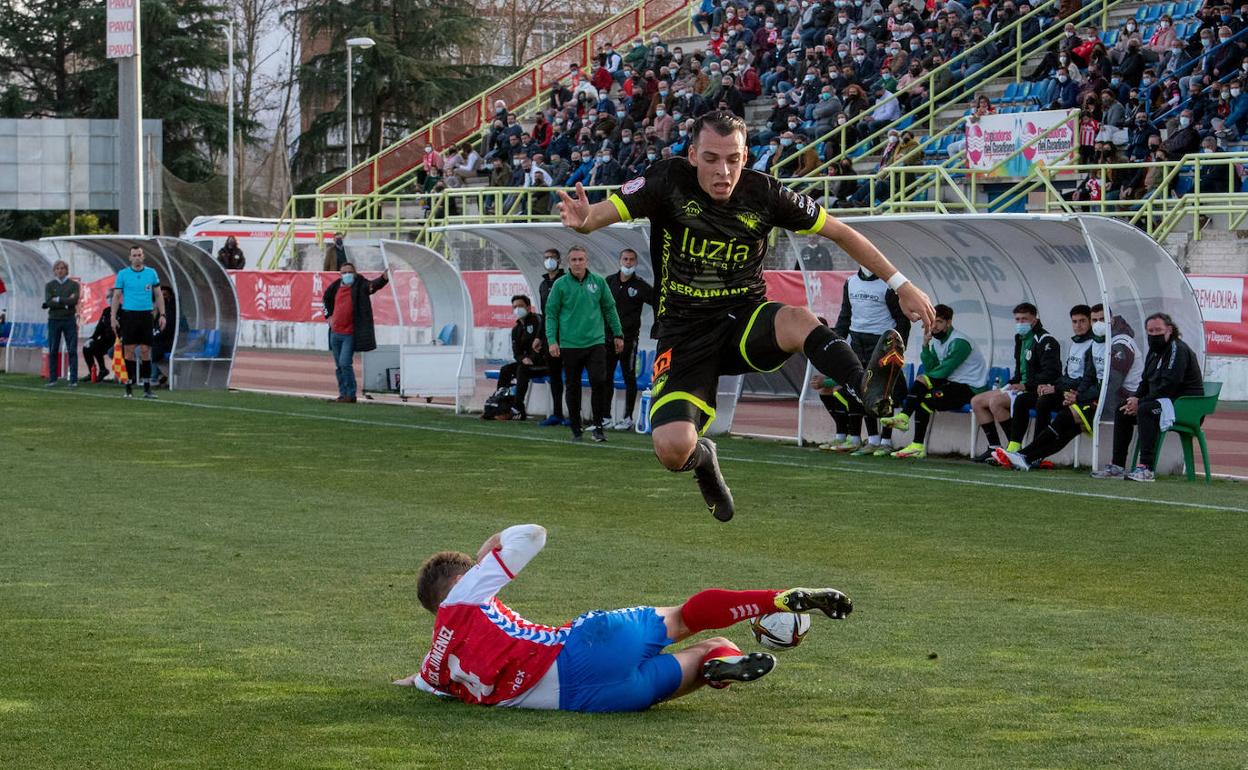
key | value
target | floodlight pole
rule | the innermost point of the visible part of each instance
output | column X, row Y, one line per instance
column 355, row 42
column 229, row 152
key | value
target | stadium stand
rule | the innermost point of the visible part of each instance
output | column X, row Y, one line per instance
column 885, row 88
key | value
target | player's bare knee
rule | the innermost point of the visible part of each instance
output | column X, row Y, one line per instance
column 793, row 325
column 673, row 454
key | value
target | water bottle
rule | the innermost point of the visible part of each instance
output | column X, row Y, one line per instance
column 643, row 415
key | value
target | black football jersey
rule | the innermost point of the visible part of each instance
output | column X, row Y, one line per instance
column 709, row 256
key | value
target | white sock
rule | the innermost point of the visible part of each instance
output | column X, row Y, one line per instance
column 839, row 437
column 873, row 440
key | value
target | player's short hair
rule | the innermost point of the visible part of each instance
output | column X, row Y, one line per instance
column 134, row 246
column 629, row 251
column 1026, row 307
column 1082, row 310
column 60, row 263
column 944, row 312
column 580, row 248
column 1098, row 308
column 552, row 250
column 523, row 298
column 438, row 574
column 721, row 122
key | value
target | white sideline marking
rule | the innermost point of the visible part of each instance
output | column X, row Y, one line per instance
column 566, row 443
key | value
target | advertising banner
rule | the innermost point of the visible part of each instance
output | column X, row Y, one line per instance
column 997, row 137
column 1221, row 299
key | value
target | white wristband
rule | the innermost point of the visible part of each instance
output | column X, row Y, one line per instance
column 897, row 281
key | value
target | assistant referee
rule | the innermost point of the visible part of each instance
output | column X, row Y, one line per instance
column 136, row 297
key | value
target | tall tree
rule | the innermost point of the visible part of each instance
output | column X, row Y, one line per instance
column 52, row 55
column 408, row 78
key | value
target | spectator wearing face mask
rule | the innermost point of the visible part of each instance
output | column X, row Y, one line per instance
column 349, row 311
column 1226, row 59
column 336, row 254
column 1235, row 124
column 1140, row 135
column 824, row 112
column 1184, row 139
column 1065, row 93
column 663, row 124
column 1163, row 37
column 728, row 97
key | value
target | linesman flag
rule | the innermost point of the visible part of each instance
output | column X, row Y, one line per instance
column 119, row 364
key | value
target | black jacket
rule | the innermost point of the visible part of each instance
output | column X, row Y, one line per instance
column 231, row 259
column 1044, row 359
column 630, row 298
column 527, row 329
column 364, row 334
column 103, row 337
column 1171, row 372
column 543, row 289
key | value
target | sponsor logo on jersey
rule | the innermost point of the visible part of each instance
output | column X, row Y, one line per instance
column 712, row 250
column 691, row 209
column 633, row 185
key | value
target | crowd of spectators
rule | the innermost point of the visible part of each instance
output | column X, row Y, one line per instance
column 818, row 65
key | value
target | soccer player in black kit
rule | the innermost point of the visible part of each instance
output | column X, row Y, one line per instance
column 709, row 222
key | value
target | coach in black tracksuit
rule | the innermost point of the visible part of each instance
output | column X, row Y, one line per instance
column 528, row 346
column 631, row 295
column 1171, row 370
column 868, row 309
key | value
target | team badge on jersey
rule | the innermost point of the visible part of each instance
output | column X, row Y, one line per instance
column 692, row 209
column 593, row 288
column 632, row 292
column 749, row 219
column 633, row 185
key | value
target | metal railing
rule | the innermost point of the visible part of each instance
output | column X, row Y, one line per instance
column 519, row 92
column 1011, row 60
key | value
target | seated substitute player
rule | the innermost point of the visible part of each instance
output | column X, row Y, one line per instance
column 953, row 372
column 1037, row 365
column 869, row 310
column 528, row 349
column 710, row 218
column 483, row 652
column 1126, row 368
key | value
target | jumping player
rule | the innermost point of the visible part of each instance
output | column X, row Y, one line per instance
column 709, row 223
column 483, row 652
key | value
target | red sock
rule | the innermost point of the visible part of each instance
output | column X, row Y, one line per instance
column 718, row 652
column 719, row 608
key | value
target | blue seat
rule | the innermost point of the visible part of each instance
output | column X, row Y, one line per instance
column 200, row 343
column 1010, row 95
column 1183, row 185
column 1141, row 13
column 1154, row 13
column 446, row 336
column 1168, row 9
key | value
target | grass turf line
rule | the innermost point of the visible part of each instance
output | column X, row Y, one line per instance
column 209, row 588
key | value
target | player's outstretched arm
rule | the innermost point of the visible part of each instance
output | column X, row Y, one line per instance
column 914, row 302
column 581, row 215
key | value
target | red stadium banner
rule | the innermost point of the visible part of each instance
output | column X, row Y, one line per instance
column 1221, row 299
column 93, row 298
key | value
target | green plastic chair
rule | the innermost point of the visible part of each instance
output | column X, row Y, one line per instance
column 1189, row 411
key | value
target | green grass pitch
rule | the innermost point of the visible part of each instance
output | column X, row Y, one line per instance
column 227, row 581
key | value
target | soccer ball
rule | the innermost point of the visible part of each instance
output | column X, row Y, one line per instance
column 780, row 630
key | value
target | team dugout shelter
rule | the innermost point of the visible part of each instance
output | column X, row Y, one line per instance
column 24, row 332
column 205, row 311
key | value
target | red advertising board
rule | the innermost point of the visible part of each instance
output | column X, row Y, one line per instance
column 296, row 296
column 1221, row 299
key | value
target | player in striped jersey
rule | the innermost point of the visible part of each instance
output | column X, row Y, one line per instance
column 483, row 652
